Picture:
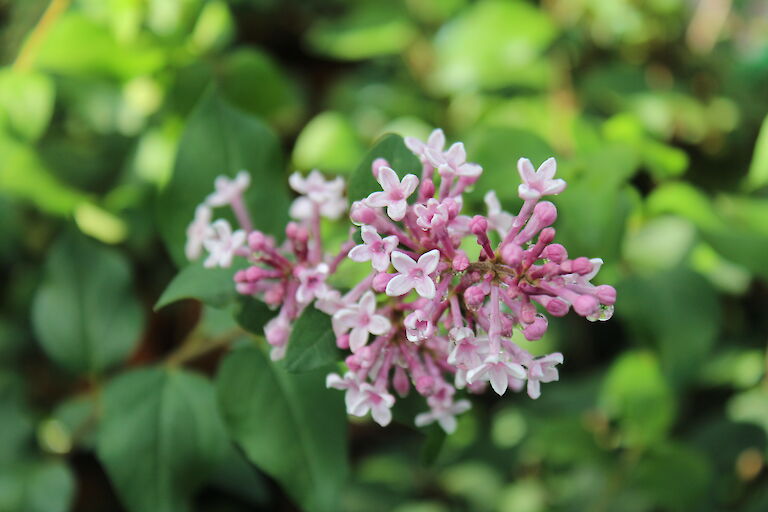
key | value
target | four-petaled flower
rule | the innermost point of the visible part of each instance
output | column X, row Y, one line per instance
column 350, row 383
column 374, row 248
column 435, row 142
column 418, row 326
column 538, row 183
column 362, row 319
column 445, row 415
column 394, row 192
column 318, row 193
column 466, row 352
column 198, row 231
column 540, row 370
column 376, row 400
column 228, row 189
column 222, row 244
column 453, row 162
column 312, row 283
column 413, row 274
column 497, row 371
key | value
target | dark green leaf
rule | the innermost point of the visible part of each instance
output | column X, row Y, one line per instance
column 160, row 437
column 212, row 286
column 289, row 425
column 312, row 343
column 390, row 147
column 222, row 140
column 85, row 313
column 253, row 315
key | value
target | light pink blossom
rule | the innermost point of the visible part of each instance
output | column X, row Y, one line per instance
column 498, row 219
column 453, row 162
column 198, row 231
column 418, row 326
column 435, row 142
column 375, row 400
column 540, row 370
column 312, row 283
column 394, row 192
column 497, row 372
column 227, row 190
column 222, row 244
column 374, row 248
column 362, row 319
column 413, row 275
column 538, row 183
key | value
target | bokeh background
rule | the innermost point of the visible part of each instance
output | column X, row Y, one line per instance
column 655, row 110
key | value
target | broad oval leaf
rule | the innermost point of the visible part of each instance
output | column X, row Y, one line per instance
column 85, row 313
column 222, row 140
column 312, row 343
column 392, row 148
column 213, row 286
column 289, row 425
column 161, row 435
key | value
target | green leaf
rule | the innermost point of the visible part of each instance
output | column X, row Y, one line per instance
column 26, row 102
column 212, row 286
column 635, row 393
column 161, row 436
column 37, row 487
column 252, row 315
column 222, row 140
column 392, row 148
column 312, row 343
column 758, row 170
column 328, row 142
column 85, row 312
column 289, row 425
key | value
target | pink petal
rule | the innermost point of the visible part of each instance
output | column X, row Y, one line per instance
column 357, row 339
column 547, row 169
column 534, row 389
column 377, row 200
column 396, row 210
column 515, row 370
column 428, row 261
column 470, row 170
column 368, row 302
column 435, row 157
column 448, row 423
column 369, row 235
column 456, row 154
column 399, row 285
column 388, row 179
column 381, row 414
column 476, row 374
column 415, row 145
column 296, row 181
column 425, row 287
column 499, row 379
column 526, row 170
column 360, row 253
column 378, row 325
column 391, row 242
column 403, row 263
column 436, row 139
column 554, row 187
column 380, row 261
column 525, row 192
column 409, row 184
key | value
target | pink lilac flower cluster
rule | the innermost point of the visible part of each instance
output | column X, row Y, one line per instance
column 428, row 317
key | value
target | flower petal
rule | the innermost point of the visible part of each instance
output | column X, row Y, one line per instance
column 399, row 285
column 396, row 209
column 388, row 179
column 428, row 261
column 425, row 287
column 402, row 262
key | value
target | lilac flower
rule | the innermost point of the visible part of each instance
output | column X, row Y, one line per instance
column 467, row 351
column 222, row 244
column 362, row 320
column 538, row 183
column 277, row 331
column 540, row 370
column 453, row 162
column 418, row 326
column 435, row 142
column 413, row 274
column 394, row 194
column 498, row 219
column 377, row 401
column 444, row 415
column 374, row 248
column 198, row 231
column 227, row 190
column 319, row 194
column 350, row 383
column 497, row 372
column 312, row 283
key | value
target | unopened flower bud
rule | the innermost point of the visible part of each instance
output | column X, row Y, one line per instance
column 545, row 213
column 460, row 261
column 474, row 296
column 478, row 225
column 274, row 295
column 400, row 381
column 424, row 384
column 427, row 189
column 546, row 235
column 536, row 329
column 511, row 254
column 555, row 253
column 377, row 165
column 380, row 281
column 585, row 305
column 582, row 266
column 557, row 307
column 343, row 341
column 258, row 241
column 353, row 362
column 606, row 294
column 527, row 313
column 361, row 214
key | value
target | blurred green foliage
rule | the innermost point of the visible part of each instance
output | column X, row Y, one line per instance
column 115, row 117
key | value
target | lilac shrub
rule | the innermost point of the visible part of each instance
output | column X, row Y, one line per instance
column 427, row 316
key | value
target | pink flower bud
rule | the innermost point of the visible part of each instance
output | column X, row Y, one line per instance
column 511, row 254
column 585, row 305
column 557, row 307
column 377, row 165
column 400, row 381
column 424, row 384
column 258, row 241
column 427, row 189
column 296, row 232
column 474, row 296
column 582, row 266
column 460, row 261
column 536, row 330
column 454, row 207
column 274, row 295
column 353, row 363
column 380, row 281
column 547, row 235
column 360, row 213
column 478, row 225
column 366, row 357
column 343, row 341
column 555, row 253
column 527, row 313
column 606, row 294
column 545, row 213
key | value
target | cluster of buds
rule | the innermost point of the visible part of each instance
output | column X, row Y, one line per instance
column 428, row 317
